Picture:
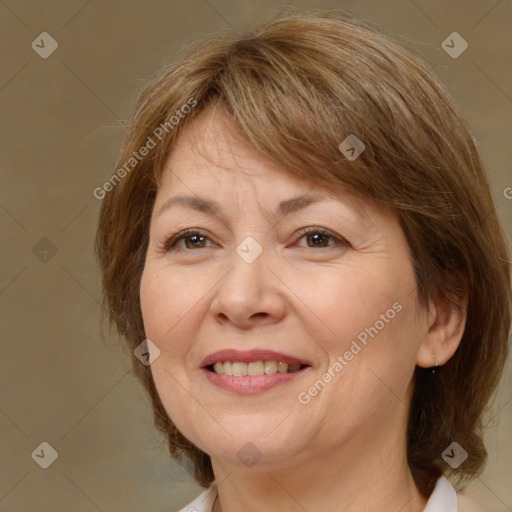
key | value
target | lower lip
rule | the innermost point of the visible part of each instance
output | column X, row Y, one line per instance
column 251, row 384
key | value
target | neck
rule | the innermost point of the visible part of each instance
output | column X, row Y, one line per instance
column 368, row 472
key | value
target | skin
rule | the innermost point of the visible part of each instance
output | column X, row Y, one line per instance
column 347, row 445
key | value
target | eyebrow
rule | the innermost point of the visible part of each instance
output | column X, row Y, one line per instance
column 210, row 207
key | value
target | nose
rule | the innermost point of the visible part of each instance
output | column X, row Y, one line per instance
column 250, row 293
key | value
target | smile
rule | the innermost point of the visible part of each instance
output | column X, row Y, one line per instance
column 244, row 383
column 254, row 368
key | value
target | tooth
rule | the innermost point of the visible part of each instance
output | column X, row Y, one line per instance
column 270, row 367
column 255, row 368
column 239, row 369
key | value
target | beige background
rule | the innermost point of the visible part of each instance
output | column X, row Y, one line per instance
column 63, row 121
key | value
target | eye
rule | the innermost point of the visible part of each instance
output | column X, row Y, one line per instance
column 196, row 239
column 319, row 235
column 194, row 235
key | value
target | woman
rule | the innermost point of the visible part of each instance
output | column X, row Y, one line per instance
column 300, row 247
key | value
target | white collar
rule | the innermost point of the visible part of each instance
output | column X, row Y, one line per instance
column 442, row 499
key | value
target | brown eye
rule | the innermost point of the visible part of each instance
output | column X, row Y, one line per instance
column 316, row 238
column 194, row 237
column 319, row 237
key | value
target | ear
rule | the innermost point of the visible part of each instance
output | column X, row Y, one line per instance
column 446, row 323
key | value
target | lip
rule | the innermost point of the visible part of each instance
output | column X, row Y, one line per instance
column 251, row 384
column 247, row 356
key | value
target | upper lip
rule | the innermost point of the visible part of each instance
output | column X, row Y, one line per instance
column 247, row 356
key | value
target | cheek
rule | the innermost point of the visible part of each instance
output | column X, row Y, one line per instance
column 162, row 306
column 172, row 307
column 354, row 303
column 372, row 322
column 151, row 298
column 163, row 309
column 388, row 356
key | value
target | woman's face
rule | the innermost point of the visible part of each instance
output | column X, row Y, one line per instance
column 343, row 303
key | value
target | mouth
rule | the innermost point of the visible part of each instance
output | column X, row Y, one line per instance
column 251, row 371
column 256, row 362
column 253, row 368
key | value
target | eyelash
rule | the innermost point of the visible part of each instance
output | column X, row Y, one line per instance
column 170, row 244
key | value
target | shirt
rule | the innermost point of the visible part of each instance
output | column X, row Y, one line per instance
column 442, row 499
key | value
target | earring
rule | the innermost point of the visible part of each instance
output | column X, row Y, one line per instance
column 436, row 367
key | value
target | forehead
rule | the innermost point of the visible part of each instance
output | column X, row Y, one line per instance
column 213, row 147
column 212, row 159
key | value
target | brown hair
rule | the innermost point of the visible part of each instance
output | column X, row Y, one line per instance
column 297, row 87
